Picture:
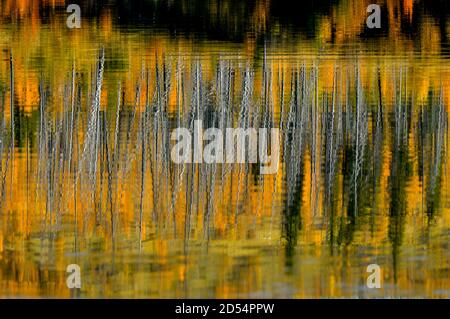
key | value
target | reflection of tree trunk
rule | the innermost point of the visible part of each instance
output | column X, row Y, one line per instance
column 399, row 177
column 72, row 122
column 92, row 140
column 2, row 143
column 141, row 197
column 435, row 127
column 11, row 85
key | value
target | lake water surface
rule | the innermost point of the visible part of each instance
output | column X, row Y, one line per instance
column 86, row 175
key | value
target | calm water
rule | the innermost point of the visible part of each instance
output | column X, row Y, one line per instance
column 86, row 175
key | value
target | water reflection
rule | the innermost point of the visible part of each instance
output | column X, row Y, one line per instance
column 87, row 176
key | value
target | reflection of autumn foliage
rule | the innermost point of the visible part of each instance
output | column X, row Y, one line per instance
column 240, row 258
column 239, row 237
column 344, row 20
column 47, row 41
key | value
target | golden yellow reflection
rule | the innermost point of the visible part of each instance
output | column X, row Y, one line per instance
column 87, row 177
